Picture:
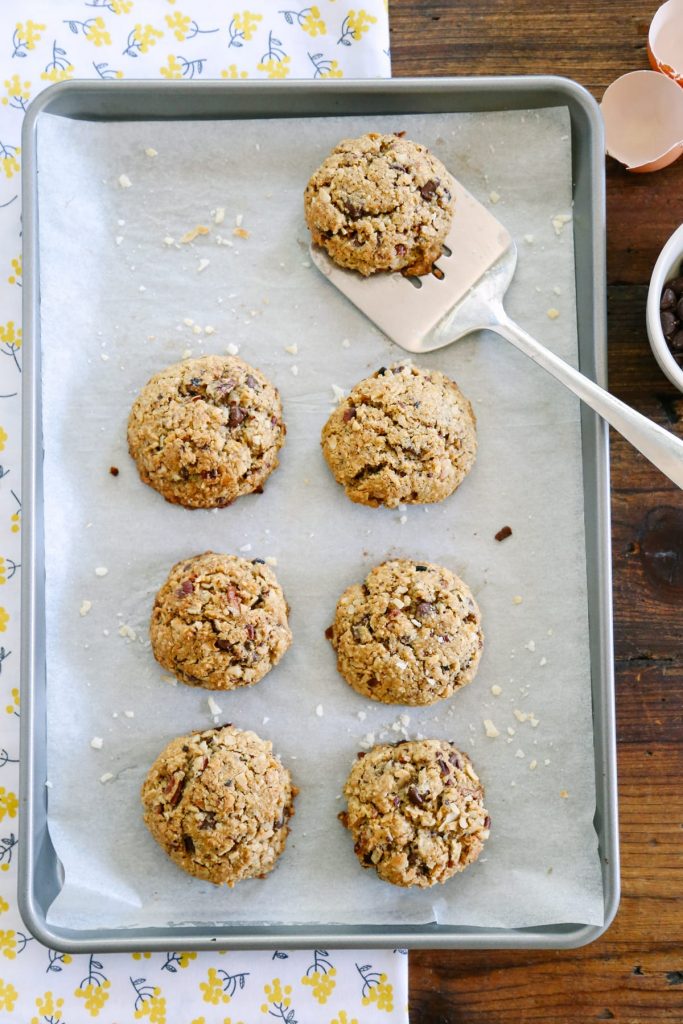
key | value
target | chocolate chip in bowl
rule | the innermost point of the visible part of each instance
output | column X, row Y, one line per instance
column 665, row 309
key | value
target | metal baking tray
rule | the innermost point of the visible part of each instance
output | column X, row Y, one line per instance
column 40, row 872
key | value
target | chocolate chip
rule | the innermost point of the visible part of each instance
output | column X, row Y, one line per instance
column 209, row 821
column 420, row 568
column 669, row 323
column 679, row 309
column 236, row 415
column 668, row 299
column 428, row 190
column 396, row 369
column 455, row 760
column 676, row 286
column 360, row 754
column 400, row 249
column 186, row 587
column 353, row 212
column 677, row 342
column 329, row 632
column 222, row 644
column 504, row 533
column 400, row 135
column 443, row 767
column 382, row 370
column 397, row 801
column 277, row 825
column 114, row 470
column 415, row 797
column 251, row 382
column 258, row 561
column 425, row 609
column 487, row 822
column 188, row 844
column 349, row 414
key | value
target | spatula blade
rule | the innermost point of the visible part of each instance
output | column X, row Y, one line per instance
column 407, row 309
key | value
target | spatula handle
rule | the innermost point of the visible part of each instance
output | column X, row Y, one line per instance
column 662, row 448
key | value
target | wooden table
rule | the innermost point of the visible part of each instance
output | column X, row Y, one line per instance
column 635, row 973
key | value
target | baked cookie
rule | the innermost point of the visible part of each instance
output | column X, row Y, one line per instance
column 410, row 634
column 219, row 621
column 380, row 202
column 406, row 435
column 218, row 802
column 416, row 811
column 206, row 431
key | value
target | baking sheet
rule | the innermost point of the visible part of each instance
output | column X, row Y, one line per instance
column 114, row 302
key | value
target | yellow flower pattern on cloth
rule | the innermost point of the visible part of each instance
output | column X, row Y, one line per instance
column 47, row 42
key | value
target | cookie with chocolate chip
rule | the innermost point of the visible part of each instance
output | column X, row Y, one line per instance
column 416, row 812
column 380, row 202
column 406, row 435
column 409, row 634
column 218, row 803
column 219, row 621
column 206, row 431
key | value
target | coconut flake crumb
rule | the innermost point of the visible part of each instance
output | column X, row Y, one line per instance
column 519, row 752
column 529, row 239
column 552, row 313
column 294, row 370
column 346, row 343
column 368, row 740
column 270, row 560
column 339, row 393
column 403, row 520
column 193, row 233
column 196, row 329
column 543, row 661
column 209, row 329
column 292, row 349
column 202, row 265
column 187, row 353
column 533, row 765
column 168, row 240
column 245, row 547
column 238, row 220
column 151, row 152
column 521, row 716
column 127, row 632
column 530, row 646
column 496, row 690
column 85, row 607
column 557, row 290
column 101, row 570
column 232, row 349
column 104, row 357
column 494, row 197
column 97, row 742
column 319, row 710
column 559, row 221
column 118, row 239
column 129, row 714
column 214, row 708
column 362, row 715
column 188, row 322
column 240, row 232
column 490, row 729
column 510, row 730
column 107, row 777
column 124, row 181
column 517, row 599
column 219, row 215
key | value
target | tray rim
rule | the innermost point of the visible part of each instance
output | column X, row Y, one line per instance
column 493, row 92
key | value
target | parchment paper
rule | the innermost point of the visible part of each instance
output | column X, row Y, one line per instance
column 114, row 301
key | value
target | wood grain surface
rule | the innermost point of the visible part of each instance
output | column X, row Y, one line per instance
column 634, row 974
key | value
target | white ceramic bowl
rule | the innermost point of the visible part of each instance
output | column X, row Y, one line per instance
column 667, row 266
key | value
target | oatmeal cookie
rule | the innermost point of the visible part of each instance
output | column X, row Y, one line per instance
column 406, row 435
column 219, row 621
column 206, row 431
column 218, row 802
column 415, row 810
column 380, row 202
column 410, row 634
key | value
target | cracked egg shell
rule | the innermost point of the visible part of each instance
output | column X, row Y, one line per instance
column 665, row 40
column 643, row 115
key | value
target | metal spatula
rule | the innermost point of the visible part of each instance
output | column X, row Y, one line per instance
column 464, row 293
